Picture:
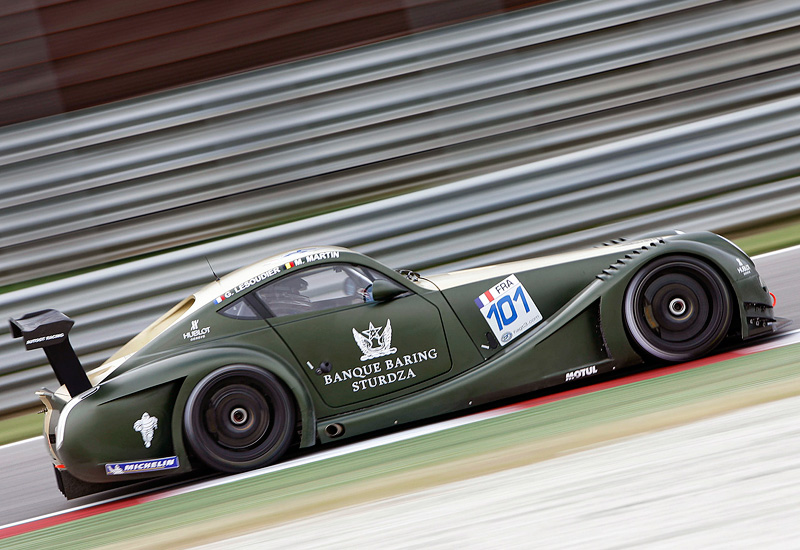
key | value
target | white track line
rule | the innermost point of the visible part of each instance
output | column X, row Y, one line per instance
column 776, row 252
column 21, row 442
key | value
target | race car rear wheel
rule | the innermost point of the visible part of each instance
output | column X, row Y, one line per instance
column 238, row 418
column 677, row 308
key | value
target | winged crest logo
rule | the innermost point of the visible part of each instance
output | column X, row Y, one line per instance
column 375, row 343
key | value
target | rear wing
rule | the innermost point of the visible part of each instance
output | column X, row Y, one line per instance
column 49, row 330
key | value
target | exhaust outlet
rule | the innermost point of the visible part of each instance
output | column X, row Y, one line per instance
column 334, row 430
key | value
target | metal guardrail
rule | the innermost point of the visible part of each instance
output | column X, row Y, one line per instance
column 154, row 174
column 557, row 126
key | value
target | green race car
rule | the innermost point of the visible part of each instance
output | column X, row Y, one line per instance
column 325, row 343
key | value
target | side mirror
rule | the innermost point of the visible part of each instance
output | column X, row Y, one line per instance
column 383, row 290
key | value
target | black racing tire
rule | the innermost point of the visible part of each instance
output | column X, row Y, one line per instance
column 239, row 418
column 677, row 308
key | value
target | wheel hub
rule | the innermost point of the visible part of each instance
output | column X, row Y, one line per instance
column 677, row 307
column 239, row 416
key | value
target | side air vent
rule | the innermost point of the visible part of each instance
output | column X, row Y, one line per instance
column 622, row 262
column 612, row 242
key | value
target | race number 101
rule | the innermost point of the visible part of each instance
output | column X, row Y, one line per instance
column 508, row 309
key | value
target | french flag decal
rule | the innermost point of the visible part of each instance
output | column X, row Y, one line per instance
column 484, row 299
column 219, row 300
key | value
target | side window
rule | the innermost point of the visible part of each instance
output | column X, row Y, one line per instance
column 239, row 309
column 317, row 289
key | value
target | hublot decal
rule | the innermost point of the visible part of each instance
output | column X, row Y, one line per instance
column 743, row 268
column 196, row 333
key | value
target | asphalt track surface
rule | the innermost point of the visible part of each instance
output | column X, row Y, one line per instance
column 27, row 483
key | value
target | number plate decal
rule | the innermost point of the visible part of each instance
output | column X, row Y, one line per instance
column 509, row 309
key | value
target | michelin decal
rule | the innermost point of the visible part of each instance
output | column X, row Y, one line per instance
column 141, row 466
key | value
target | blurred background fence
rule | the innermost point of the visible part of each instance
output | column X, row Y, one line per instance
column 560, row 125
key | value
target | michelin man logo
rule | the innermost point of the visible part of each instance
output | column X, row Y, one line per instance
column 147, row 426
column 114, row 470
column 382, row 341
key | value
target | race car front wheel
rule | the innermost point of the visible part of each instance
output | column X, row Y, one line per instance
column 238, row 418
column 677, row 308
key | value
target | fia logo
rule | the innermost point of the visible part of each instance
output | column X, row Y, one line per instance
column 375, row 343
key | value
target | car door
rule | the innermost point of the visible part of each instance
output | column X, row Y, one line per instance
column 351, row 347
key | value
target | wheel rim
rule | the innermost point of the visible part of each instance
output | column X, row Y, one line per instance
column 238, row 418
column 677, row 308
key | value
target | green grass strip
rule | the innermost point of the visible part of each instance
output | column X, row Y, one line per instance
column 17, row 428
column 759, row 240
